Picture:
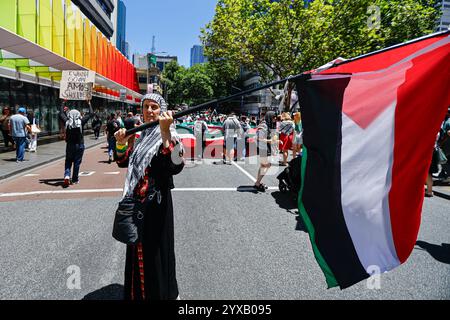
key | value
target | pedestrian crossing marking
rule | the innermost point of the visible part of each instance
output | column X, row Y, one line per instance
column 32, row 175
column 112, row 173
column 86, row 174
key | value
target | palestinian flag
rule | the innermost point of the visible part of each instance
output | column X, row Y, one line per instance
column 370, row 125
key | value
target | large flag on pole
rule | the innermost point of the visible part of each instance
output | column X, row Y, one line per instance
column 370, row 125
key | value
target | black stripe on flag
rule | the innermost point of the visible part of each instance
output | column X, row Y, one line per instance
column 321, row 109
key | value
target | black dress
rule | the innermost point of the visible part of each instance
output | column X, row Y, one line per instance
column 150, row 265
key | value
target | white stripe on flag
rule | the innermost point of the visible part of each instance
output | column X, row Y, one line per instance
column 366, row 166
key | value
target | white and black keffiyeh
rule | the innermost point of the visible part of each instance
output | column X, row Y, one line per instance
column 74, row 120
column 145, row 148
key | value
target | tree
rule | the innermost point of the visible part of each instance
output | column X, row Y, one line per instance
column 283, row 38
column 191, row 86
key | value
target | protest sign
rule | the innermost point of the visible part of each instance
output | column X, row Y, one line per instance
column 76, row 85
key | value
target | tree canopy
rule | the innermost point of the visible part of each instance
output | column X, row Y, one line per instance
column 283, row 38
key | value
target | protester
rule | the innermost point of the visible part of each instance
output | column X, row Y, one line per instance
column 232, row 129
column 267, row 138
column 200, row 128
column 152, row 160
column 96, row 126
column 287, row 129
column 19, row 126
column 4, row 127
column 129, row 122
column 111, row 128
column 35, row 130
column 243, row 139
column 444, row 143
column 75, row 141
column 298, row 135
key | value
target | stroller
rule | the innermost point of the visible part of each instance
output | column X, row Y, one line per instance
column 291, row 177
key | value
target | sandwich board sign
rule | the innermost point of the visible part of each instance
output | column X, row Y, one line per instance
column 76, row 85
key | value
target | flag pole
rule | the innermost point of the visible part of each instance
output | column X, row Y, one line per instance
column 217, row 101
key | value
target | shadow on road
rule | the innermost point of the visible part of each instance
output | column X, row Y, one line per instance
column 285, row 201
column 288, row 201
column 440, row 253
column 53, row 182
column 247, row 189
column 111, row 292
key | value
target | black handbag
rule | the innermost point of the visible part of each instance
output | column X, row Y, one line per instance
column 129, row 221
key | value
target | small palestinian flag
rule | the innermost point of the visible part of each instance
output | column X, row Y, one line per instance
column 370, row 125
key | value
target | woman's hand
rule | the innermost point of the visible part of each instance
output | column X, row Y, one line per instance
column 121, row 136
column 165, row 121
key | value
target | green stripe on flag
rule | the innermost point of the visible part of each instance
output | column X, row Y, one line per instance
column 330, row 278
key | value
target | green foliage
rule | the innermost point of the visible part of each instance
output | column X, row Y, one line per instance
column 188, row 85
column 278, row 39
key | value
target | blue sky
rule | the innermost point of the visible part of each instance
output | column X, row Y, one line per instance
column 176, row 25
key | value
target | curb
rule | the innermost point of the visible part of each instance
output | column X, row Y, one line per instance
column 36, row 165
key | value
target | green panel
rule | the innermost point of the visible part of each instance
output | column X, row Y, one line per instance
column 58, row 41
column 8, row 15
column 22, row 63
column 45, row 24
column 7, row 63
column 26, row 19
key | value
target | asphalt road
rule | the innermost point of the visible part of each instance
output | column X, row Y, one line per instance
column 231, row 243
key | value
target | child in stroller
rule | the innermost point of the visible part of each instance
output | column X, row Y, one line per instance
column 291, row 177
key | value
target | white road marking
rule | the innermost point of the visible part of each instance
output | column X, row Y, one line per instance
column 32, row 175
column 243, row 171
column 32, row 193
column 112, row 173
column 86, row 174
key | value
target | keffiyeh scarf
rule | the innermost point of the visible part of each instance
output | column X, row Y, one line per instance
column 146, row 147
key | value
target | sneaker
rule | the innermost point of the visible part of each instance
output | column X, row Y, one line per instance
column 76, row 182
column 66, row 182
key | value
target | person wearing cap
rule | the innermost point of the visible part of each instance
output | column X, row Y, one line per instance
column 19, row 125
column 152, row 161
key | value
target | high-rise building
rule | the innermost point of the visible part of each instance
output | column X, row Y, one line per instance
column 444, row 19
column 99, row 13
column 119, row 20
column 197, row 55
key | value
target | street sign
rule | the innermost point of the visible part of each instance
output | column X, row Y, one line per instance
column 151, row 60
column 76, row 85
column 123, row 95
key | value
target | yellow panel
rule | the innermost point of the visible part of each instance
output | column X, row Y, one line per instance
column 58, row 27
column 70, row 31
column 8, row 15
column 79, row 44
column 26, row 19
column 45, row 24
column 87, row 44
column 94, row 48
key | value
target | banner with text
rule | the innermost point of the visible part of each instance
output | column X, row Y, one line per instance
column 77, row 85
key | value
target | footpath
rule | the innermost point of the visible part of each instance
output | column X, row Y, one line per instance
column 49, row 149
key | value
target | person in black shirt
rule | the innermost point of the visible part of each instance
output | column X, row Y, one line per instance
column 96, row 126
column 112, row 127
column 75, row 141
